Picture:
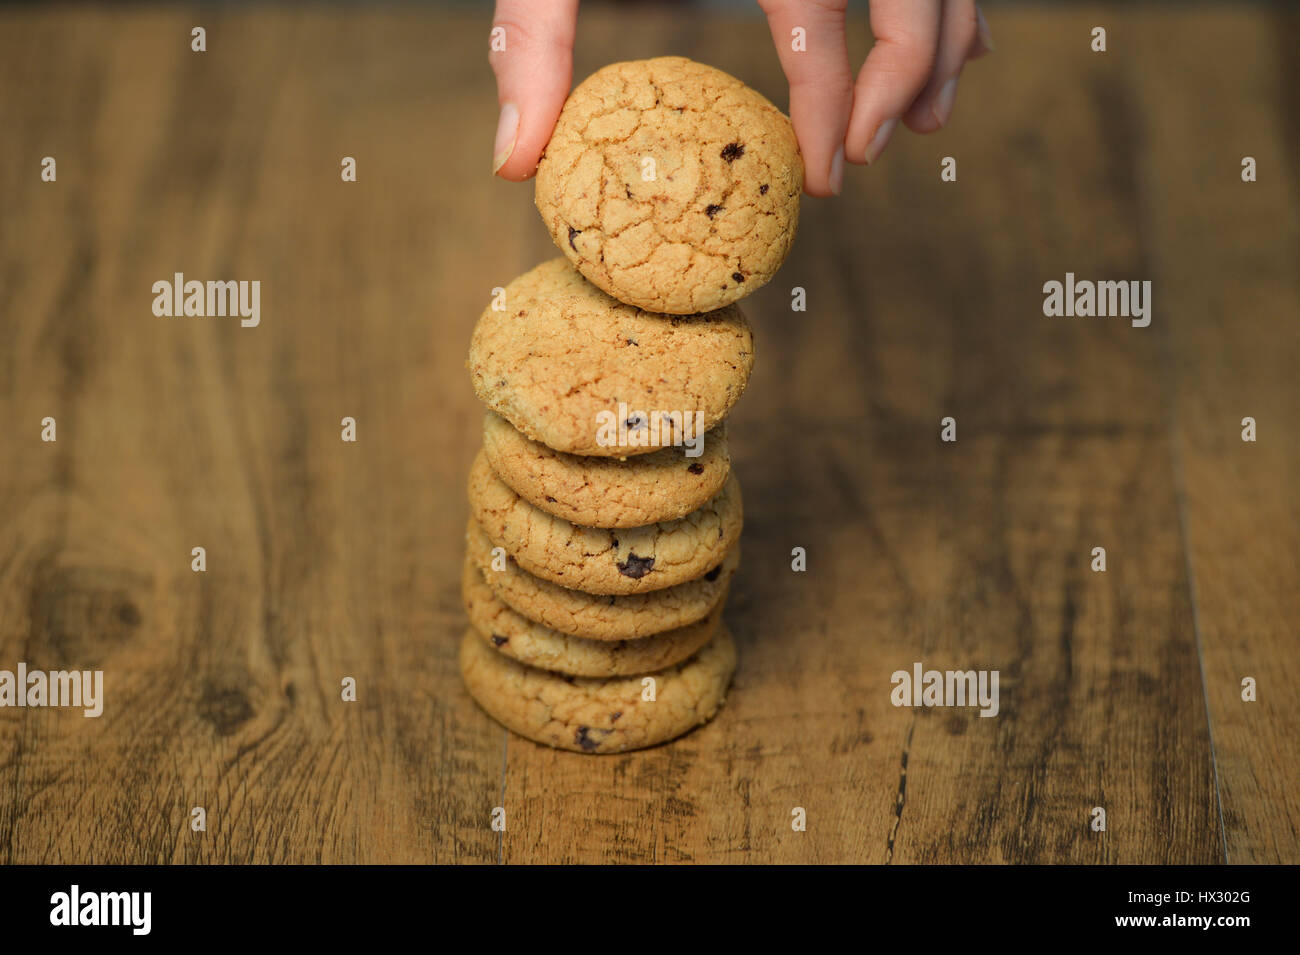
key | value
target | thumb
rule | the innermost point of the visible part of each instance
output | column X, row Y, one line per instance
column 532, row 57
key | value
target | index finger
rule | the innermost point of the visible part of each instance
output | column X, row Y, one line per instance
column 809, row 38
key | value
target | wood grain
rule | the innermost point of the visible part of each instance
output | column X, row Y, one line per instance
column 1228, row 264
column 328, row 559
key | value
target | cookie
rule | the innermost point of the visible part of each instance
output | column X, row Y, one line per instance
column 590, row 715
column 607, row 492
column 595, row 560
column 600, row 618
column 539, row 646
column 582, row 373
column 671, row 185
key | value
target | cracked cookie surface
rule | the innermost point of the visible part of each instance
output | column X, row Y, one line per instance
column 671, row 185
column 594, row 617
column 627, row 560
column 563, row 357
column 537, row 645
column 607, row 492
column 589, row 715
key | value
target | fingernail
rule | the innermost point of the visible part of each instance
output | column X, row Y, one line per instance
column 985, row 34
column 507, row 128
column 837, row 171
column 878, row 141
column 943, row 102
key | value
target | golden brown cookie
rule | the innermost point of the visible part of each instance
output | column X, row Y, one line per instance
column 593, row 617
column 582, row 373
column 671, row 185
column 627, row 560
column 589, row 715
column 607, row 492
column 539, row 646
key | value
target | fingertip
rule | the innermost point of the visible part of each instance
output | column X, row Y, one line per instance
column 517, row 171
column 984, row 42
column 943, row 103
column 820, row 115
column 920, row 118
column 921, row 121
column 519, row 166
column 867, row 153
column 524, row 128
column 825, row 177
column 929, row 114
column 529, row 110
column 536, row 124
column 507, row 137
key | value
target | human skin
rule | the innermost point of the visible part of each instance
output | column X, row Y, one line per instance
column 910, row 77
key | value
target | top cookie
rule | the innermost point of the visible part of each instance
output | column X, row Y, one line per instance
column 582, row 373
column 671, row 185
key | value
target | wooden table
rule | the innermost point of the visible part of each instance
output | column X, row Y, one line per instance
column 327, row 560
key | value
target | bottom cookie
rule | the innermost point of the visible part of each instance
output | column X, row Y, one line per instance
column 599, row 715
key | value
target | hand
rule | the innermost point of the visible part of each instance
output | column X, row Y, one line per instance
column 910, row 76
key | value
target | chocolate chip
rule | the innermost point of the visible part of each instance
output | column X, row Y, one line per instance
column 712, row 210
column 628, row 190
column 737, row 277
column 499, row 641
column 572, row 233
column 732, row 151
column 636, row 421
column 696, row 468
column 583, row 739
column 636, row 567
column 613, row 717
column 762, row 190
column 550, row 499
column 713, row 574
column 632, row 341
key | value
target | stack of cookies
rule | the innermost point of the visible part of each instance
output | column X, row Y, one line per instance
column 604, row 518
